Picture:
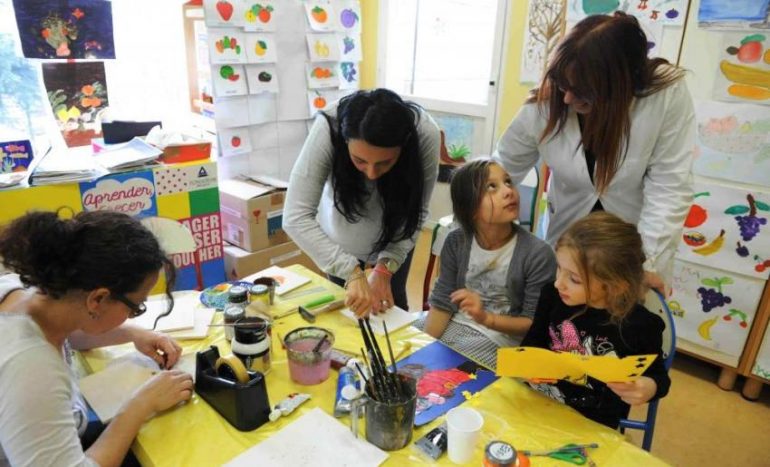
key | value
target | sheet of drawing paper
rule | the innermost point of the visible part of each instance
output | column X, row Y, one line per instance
column 231, row 111
column 261, row 47
column 229, row 80
column 223, row 13
column 323, row 47
column 320, row 15
column 262, row 78
column 262, row 108
column 262, row 15
column 226, row 45
column 234, row 141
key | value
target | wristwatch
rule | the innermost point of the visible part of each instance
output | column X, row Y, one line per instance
column 390, row 264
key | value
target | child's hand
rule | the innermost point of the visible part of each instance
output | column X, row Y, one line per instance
column 470, row 303
column 635, row 392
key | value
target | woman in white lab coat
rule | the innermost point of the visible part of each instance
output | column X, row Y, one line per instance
column 617, row 130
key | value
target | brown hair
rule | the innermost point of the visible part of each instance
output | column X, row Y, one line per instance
column 467, row 189
column 608, row 250
column 603, row 60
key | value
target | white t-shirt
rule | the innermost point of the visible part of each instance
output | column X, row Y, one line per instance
column 37, row 426
column 487, row 273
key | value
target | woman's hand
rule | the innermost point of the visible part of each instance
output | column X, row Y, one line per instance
column 359, row 296
column 382, row 296
column 635, row 392
column 164, row 390
column 159, row 347
column 469, row 302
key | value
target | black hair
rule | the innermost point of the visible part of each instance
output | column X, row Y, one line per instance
column 91, row 250
column 467, row 191
column 381, row 118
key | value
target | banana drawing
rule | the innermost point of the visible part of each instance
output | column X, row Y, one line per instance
column 705, row 328
column 321, row 49
column 712, row 247
column 749, row 92
column 742, row 74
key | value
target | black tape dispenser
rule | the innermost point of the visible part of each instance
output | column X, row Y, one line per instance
column 239, row 395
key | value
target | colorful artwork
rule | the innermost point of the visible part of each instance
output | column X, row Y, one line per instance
column 546, row 25
column 322, row 75
column 226, row 46
column 349, row 76
column 348, row 15
column 229, row 80
column 744, row 69
column 445, row 379
column 321, row 99
column 320, row 15
column 323, row 47
column 349, row 47
column 260, row 48
column 65, row 29
column 732, row 14
column 726, row 228
column 259, row 16
column 77, row 92
column 15, row 156
column 223, row 13
column 234, row 141
column 733, row 142
column 714, row 308
column 262, row 78
column 663, row 11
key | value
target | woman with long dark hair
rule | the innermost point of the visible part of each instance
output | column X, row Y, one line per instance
column 617, row 130
column 359, row 194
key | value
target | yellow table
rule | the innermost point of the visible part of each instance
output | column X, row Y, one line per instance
column 195, row 434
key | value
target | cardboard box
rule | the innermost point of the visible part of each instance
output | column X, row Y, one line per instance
column 252, row 214
column 240, row 263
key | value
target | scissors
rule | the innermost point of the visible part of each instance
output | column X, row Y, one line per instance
column 572, row 453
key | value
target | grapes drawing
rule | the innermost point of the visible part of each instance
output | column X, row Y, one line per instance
column 749, row 224
column 713, row 297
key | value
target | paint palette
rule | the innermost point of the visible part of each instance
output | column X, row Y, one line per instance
column 216, row 296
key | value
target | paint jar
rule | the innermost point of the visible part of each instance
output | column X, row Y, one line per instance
column 388, row 425
column 271, row 285
column 306, row 366
column 251, row 343
column 500, row 454
column 235, row 308
column 259, row 301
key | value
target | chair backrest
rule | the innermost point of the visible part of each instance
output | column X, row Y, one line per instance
column 656, row 303
column 528, row 199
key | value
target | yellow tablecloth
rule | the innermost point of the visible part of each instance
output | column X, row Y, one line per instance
column 195, row 434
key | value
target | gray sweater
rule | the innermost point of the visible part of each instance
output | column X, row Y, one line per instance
column 312, row 221
column 533, row 265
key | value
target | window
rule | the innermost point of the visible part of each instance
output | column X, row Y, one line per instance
column 440, row 49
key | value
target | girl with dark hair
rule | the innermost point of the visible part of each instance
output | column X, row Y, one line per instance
column 76, row 281
column 593, row 309
column 359, row 194
column 617, row 130
column 491, row 270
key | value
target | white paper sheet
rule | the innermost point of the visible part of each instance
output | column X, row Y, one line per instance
column 229, row 80
column 223, row 13
column 182, row 315
column 291, row 72
column 347, row 15
column 315, row 439
column 323, row 47
column 231, row 112
column 262, row 108
column 203, row 317
column 264, row 136
column 226, row 46
column 349, row 75
column 395, row 318
column 261, row 15
column 350, row 47
column 320, row 15
column 234, row 141
column 322, row 75
column 261, row 47
column 262, row 78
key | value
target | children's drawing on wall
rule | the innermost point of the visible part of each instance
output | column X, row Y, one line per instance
column 261, row 48
column 322, row 75
column 734, row 14
column 350, row 78
column 226, row 46
column 546, row 25
column 320, row 15
column 65, row 29
column 229, row 80
column 260, row 16
column 322, row 99
column 727, row 228
column 733, row 142
column 77, row 93
column 712, row 307
column 323, row 47
column 762, row 363
column 262, row 78
column 457, row 143
column 349, row 46
column 234, row 141
column 744, row 69
column 15, row 156
column 223, row 13
column 348, row 15
column 662, row 11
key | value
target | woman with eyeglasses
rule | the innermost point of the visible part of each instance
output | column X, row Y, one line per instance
column 75, row 282
column 359, row 193
column 617, row 130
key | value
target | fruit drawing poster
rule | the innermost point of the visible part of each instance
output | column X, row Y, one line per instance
column 348, row 15
column 260, row 48
column 223, row 13
column 349, row 46
column 762, row 363
column 229, row 80
column 734, row 14
column 262, row 78
column 321, row 99
column 733, row 142
column 226, row 46
column 743, row 73
column 322, row 75
column 67, row 29
column 714, row 308
column 234, row 140
column 669, row 12
column 323, row 47
column 727, row 228
column 320, row 15
column 260, row 16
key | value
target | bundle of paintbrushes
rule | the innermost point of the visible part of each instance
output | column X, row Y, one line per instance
column 383, row 384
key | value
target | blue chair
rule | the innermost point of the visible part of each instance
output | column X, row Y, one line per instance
column 655, row 302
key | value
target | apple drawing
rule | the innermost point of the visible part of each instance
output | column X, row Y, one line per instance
column 235, row 141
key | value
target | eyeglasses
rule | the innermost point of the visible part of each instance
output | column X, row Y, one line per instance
column 136, row 310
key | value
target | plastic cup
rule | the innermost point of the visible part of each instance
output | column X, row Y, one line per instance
column 463, row 430
column 306, row 366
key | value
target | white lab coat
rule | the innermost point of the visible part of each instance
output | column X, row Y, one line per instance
column 652, row 188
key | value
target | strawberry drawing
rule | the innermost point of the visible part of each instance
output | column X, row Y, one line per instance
column 225, row 9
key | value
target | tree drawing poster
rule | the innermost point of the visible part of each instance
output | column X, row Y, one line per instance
column 727, row 228
column 714, row 308
column 546, row 24
column 743, row 73
column 77, row 93
column 733, row 142
column 66, row 29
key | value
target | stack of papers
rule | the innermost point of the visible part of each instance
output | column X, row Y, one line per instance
column 130, row 155
column 287, row 280
column 66, row 166
column 187, row 320
column 395, row 318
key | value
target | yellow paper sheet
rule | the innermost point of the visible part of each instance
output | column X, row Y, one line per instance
column 537, row 363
